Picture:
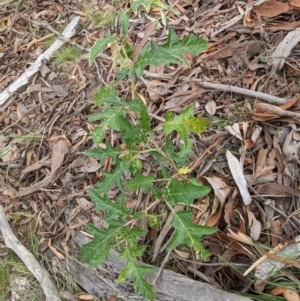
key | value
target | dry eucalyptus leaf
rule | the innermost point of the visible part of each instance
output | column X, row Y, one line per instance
column 254, row 225
column 182, row 254
column 234, row 130
column 210, row 107
column 239, row 236
column 84, row 203
column 284, row 49
column 238, row 176
column 271, row 8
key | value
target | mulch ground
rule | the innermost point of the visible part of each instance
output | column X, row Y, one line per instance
column 58, row 101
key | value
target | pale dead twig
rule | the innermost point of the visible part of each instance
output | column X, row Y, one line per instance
column 254, row 94
column 203, row 276
column 162, row 266
column 28, row 259
column 23, row 80
column 7, row 2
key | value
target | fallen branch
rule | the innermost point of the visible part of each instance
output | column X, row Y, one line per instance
column 254, row 94
column 28, row 259
column 101, row 281
column 5, row 96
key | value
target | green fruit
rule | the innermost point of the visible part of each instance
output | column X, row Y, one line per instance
column 137, row 164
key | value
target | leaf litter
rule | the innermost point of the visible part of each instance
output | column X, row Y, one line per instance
column 254, row 201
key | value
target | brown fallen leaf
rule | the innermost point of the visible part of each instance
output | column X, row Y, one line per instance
column 254, row 226
column 271, row 8
column 59, row 149
column 290, row 103
column 277, row 189
column 264, row 166
column 232, row 243
column 221, row 191
column 271, row 109
column 263, row 116
column 139, row 46
column 34, row 166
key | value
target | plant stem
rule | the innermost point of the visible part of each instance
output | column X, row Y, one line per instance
column 158, row 149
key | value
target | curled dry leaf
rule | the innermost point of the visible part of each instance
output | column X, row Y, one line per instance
column 269, row 206
column 265, row 163
column 254, row 226
column 59, row 149
column 241, row 237
column 221, row 191
column 288, row 293
column 233, row 243
column 90, row 297
column 275, row 232
column 284, row 49
column 182, row 254
column 234, row 130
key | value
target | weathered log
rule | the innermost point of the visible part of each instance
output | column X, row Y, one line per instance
column 170, row 286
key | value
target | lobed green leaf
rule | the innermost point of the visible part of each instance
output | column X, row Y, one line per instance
column 141, row 181
column 184, row 123
column 136, row 271
column 106, row 95
column 135, row 4
column 171, row 52
column 98, row 250
column 186, row 193
column 114, row 177
column 102, row 153
column 113, row 209
column 124, row 22
column 186, row 232
column 98, row 47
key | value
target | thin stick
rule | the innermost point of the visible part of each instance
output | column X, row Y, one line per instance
column 254, row 94
column 23, row 80
column 29, row 260
column 162, row 266
column 7, row 2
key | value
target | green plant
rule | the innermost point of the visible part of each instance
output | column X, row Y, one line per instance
column 100, row 16
column 170, row 183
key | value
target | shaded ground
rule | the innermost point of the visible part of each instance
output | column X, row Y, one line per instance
column 59, row 100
